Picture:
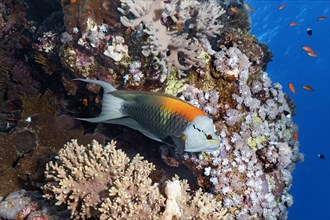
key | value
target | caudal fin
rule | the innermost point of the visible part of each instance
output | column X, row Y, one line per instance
column 111, row 105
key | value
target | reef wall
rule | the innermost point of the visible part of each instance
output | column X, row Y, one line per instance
column 199, row 51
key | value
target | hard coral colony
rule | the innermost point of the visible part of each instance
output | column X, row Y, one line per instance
column 200, row 52
column 102, row 181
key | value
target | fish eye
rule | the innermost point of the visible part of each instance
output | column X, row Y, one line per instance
column 208, row 137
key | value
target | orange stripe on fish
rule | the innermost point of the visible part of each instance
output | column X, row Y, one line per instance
column 158, row 116
column 187, row 111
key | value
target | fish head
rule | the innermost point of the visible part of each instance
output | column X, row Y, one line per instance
column 200, row 136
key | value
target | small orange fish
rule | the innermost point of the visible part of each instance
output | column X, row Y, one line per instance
column 292, row 24
column 312, row 54
column 308, row 49
column 291, row 87
column 309, row 88
column 73, row 1
column 295, row 136
column 321, row 18
column 281, row 7
column 234, row 9
column 84, row 102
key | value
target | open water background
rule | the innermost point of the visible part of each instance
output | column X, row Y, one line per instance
column 292, row 64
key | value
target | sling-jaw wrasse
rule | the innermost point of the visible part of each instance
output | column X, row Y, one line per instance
column 161, row 117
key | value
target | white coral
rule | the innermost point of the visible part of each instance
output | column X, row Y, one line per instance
column 165, row 42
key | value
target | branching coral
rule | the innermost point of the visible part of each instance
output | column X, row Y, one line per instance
column 183, row 205
column 82, row 176
column 103, row 182
column 168, row 23
column 133, row 195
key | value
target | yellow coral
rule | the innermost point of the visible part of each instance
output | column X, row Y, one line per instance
column 253, row 142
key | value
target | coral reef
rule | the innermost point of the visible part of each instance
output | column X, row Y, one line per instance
column 28, row 148
column 258, row 156
column 166, row 31
column 101, row 181
column 199, row 51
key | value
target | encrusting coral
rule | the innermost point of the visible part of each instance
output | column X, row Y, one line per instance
column 101, row 181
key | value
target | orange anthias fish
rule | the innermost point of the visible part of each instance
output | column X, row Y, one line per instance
column 308, row 49
column 321, row 18
column 161, row 117
column 291, row 87
column 312, row 54
column 309, row 88
column 73, row 1
column 281, row 7
column 292, row 24
column 295, row 136
column 234, row 9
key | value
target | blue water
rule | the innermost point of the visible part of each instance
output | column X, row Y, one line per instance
column 292, row 64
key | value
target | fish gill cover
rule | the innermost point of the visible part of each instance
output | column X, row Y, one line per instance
column 199, row 51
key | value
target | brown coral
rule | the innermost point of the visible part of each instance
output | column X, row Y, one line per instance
column 133, row 195
column 81, row 177
column 79, row 180
column 102, row 182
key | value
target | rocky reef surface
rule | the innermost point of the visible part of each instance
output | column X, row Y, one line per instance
column 55, row 167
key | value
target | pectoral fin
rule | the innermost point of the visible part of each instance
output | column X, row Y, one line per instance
column 179, row 143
